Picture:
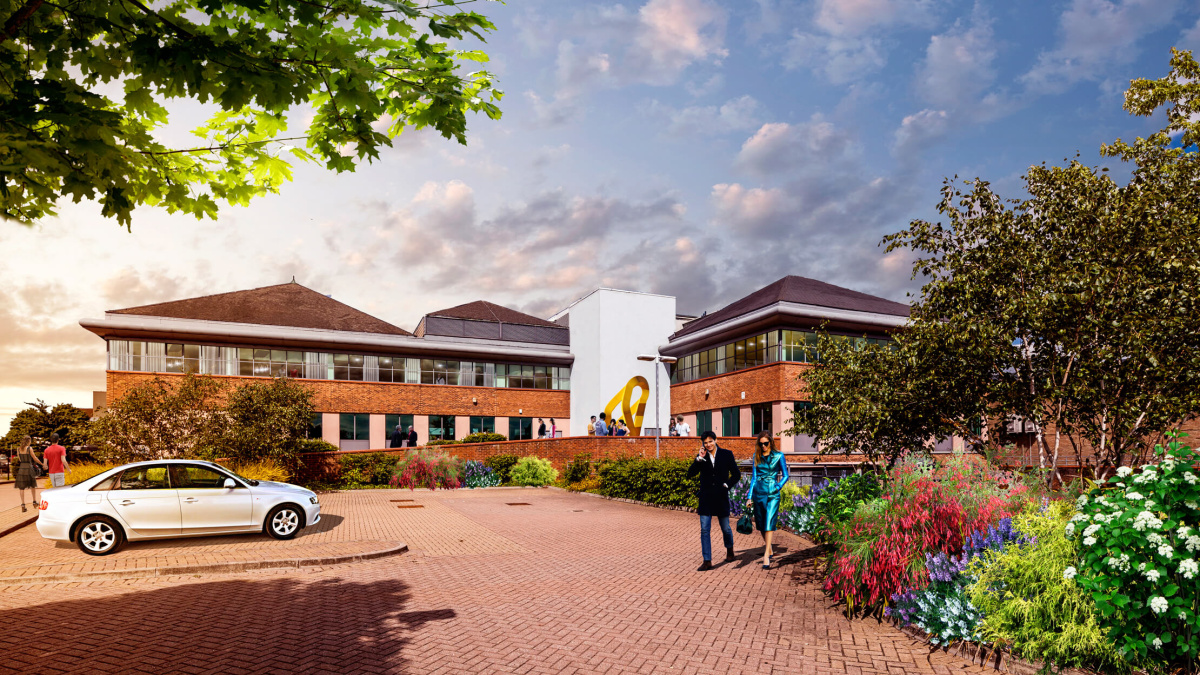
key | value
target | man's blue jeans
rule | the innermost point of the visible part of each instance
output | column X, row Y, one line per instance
column 706, row 541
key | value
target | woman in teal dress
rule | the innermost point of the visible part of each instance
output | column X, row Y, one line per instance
column 770, row 473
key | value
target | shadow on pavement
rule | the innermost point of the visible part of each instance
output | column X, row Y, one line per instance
column 283, row 625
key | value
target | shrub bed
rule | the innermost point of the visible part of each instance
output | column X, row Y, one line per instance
column 656, row 481
column 477, row 475
column 501, row 464
column 430, row 469
column 533, row 472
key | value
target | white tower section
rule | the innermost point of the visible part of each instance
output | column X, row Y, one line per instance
column 609, row 329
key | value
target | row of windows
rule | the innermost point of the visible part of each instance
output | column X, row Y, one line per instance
column 771, row 347
column 356, row 426
column 158, row 357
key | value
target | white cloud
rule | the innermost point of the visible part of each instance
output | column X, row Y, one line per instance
column 840, row 59
column 919, row 131
column 958, row 65
column 779, row 146
column 739, row 114
column 854, row 17
column 1094, row 34
column 752, row 211
column 845, row 40
column 673, row 34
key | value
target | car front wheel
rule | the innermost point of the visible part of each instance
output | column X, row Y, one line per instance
column 284, row 521
column 98, row 535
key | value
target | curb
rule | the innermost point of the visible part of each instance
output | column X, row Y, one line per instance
column 177, row 570
column 13, row 528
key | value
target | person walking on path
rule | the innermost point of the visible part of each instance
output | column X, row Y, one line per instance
column 541, row 428
column 55, row 461
column 26, row 478
column 718, row 472
column 399, row 438
column 769, row 474
column 601, row 427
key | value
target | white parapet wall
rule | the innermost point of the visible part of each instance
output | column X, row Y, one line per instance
column 609, row 329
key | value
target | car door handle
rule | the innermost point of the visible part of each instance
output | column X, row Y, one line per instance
column 189, row 500
column 127, row 502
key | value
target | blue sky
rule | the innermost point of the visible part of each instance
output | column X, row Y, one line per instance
column 695, row 148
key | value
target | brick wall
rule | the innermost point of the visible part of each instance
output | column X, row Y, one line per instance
column 387, row 397
column 762, row 384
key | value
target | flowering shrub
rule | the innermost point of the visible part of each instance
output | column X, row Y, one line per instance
column 942, row 608
column 1030, row 600
column 1139, row 540
column 828, row 503
column 533, row 471
column 926, row 510
column 501, row 464
column 427, row 469
column 476, row 475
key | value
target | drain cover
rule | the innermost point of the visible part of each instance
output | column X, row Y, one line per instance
column 399, row 500
column 410, row 506
column 517, row 503
column 577, row 510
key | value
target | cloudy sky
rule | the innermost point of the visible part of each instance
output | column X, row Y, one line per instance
column 697, row 148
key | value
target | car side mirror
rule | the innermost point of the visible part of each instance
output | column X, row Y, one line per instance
column 230, row 484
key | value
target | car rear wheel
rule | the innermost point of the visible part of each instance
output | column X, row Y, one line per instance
column 99, row 535
column 284, row 521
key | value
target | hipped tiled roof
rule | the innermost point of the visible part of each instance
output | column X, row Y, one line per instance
column 801, row 290
column 283, row 305
column 481, row 310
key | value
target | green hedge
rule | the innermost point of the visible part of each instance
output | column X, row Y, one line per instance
column 368, row 468
column 502, row 465
column 317, row 445
column 430, row 444
column 657, row 481
column 484, row 437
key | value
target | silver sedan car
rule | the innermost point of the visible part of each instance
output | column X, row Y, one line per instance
column 171, row 498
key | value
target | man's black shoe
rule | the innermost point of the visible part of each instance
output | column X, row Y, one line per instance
column 729, row 556
column 705, row 567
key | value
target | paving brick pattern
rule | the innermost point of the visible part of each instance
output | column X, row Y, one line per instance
column 582, row 585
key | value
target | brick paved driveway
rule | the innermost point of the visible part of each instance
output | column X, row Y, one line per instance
column 567, row 584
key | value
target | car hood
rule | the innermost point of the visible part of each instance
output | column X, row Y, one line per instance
column 272, row 486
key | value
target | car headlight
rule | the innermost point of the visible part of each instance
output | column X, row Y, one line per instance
column 313, row 500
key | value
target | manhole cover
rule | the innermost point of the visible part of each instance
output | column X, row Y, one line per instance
column 577, row 510
column 410, row 506
column 400, row 500
column 517, row 503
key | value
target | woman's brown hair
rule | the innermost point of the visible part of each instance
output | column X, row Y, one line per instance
column 758, row 449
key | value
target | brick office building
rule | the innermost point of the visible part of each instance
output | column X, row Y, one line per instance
column 738, row 369
column 475, row 367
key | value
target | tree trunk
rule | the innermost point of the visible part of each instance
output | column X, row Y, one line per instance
column 19, row 18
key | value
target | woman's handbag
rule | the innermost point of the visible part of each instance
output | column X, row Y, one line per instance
column 745, row 524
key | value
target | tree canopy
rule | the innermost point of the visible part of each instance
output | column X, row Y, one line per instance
column 83, row 86
column 40, row 420
column 1076, row 308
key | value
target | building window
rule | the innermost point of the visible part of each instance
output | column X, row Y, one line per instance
column 731, row 421
column 760, row 418
column 520, row 428
column 770, row 347
column 354, row 426
column 390, row 422
column 703, row 421
column 483, row 425
column 441, row 427
column 315, row 427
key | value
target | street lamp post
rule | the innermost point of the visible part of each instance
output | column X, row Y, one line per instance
column 657, row 421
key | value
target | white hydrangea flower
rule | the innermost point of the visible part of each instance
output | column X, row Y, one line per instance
column 1142, row 478
column 1190, row 478
column 1123, row 564
column 1193, row 543
column 1192, row 505
column 1158, row 604
column 1166, row 551
column 1183, row 616
column 1183, row 531
column 1081, row 502
column 1121, row 483
column 1124, row 471
column 1169, row 464
column 1089, row 541
column 1152, row 575
column 1091, row 529
column 1155, row 539
column 1141, row 567
column 1134, row 496
column 1079, row 517
column 1144, row 520
column 1070, row 529
column 1157, row 643
column 1069, row 573
column 1189, row 568
column 1150, row 503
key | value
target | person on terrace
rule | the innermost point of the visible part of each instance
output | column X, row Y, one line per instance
column 770, row 472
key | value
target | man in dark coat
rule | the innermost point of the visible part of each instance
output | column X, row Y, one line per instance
column 412, row 437
column 398, row 438
column 718, row 472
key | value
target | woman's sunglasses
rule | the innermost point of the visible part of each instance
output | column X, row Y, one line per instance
column 764, row 442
